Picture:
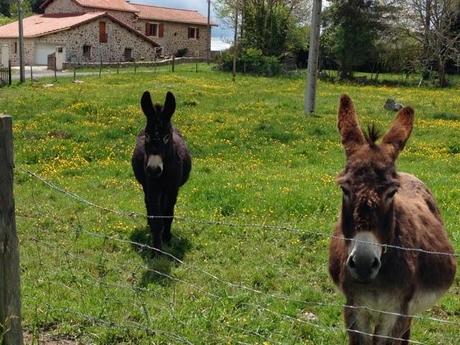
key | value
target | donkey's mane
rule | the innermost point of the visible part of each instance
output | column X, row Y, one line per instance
column 372, row 134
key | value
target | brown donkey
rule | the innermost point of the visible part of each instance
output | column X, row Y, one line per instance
column 383, row 210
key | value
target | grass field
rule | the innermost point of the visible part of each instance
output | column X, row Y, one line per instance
column 257, row 161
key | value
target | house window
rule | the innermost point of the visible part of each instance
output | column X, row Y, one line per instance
column 128, row 54
column 87, row 52
column 193, row 33
column 151, row 29
column 15, row 47
column 103, row 32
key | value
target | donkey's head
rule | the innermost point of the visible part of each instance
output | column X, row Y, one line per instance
column 369, row 184
column 158, row 133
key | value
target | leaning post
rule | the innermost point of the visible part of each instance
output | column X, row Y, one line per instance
column 10, row 301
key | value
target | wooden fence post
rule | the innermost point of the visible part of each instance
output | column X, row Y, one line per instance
column 10, row 302
column 31, row 74
column 9, row 73
column 173, row 66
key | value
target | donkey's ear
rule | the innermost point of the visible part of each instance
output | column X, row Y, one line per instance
column 170, row 106
column 147, row 104
column 352, row 135
column 400, row 131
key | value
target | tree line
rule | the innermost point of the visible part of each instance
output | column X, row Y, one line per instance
column 404, row 36
column 8, row 8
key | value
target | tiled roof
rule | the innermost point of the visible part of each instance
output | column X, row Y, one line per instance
column 46, row 24
column 116, row 5
column 167, row 14
column 43, row 24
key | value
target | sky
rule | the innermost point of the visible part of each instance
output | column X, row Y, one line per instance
column 221, row 35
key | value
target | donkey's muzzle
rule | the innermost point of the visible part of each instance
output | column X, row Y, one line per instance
column 363, row 262
column 154, row 166
column 363, row 268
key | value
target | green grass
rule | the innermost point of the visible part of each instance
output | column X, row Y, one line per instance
column 257, row 160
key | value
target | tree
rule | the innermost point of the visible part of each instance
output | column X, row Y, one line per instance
column 433, row 23
column 35, row 4
column 352, row 29
column 5, row 8
column 272, row 26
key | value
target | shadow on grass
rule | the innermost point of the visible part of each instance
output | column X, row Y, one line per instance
column 159, row 265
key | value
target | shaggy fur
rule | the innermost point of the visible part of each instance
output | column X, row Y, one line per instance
column 399, row 210
column 162, row 141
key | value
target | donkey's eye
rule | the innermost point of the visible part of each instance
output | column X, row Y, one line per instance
column 166, row 138
column 391, row 194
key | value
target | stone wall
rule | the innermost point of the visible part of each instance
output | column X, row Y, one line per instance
column 64, row 6
column 74, row 39
column 176, row 37
column 119, row 38
column 68, row 6
column 14, row 57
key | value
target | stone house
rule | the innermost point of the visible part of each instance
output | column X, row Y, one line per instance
column 108, row 30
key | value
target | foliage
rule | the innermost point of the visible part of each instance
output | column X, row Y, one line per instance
column 352, row 30
column 251, row 61
column 5, row 20
column 257, row 160
column 5, row 8
column 274, row 27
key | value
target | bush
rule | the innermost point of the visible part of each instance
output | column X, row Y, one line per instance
column 251, row 61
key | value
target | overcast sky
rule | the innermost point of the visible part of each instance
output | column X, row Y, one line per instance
column 200, row 5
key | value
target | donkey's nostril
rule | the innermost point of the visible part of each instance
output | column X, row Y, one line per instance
column 154, row 171
column 351, row 262
column 376, row 264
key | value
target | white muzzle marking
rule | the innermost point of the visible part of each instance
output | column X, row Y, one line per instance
column 155, row 162
column 365, row 239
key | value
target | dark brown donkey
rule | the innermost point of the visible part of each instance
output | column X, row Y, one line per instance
column 161, row 163
column 383, row 210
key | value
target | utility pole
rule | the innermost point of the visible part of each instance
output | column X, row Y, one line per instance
column 22, row 70
column 313, row 54
column 235, row 41
column 208, row 51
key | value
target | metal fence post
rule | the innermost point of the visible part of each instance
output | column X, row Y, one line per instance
column 10, row 302
column 173, row 66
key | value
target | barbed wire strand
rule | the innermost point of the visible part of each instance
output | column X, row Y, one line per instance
column 135, row 289
column 259, row 307
column 274, row 296
column 133, row 214
column 243, row 287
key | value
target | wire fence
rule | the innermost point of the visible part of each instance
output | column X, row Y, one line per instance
column 78, row 71
column 232, row 289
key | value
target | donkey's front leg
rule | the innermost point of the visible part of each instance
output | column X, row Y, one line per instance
column 358, row 326
column 153, row 204
column 169, row 202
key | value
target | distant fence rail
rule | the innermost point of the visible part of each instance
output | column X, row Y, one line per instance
column 134, row 63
